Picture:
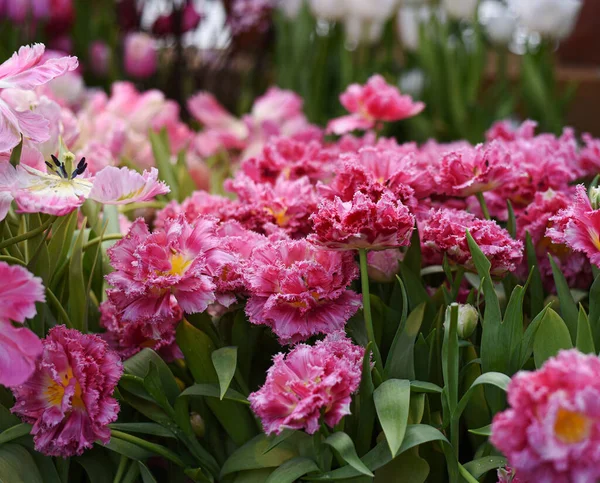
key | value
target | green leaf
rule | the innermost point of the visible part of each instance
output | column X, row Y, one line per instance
column 529, row 336
column 14, row 432
column 128, row 449
column 392, row 403
column 594, row 317
column 197, row 348
column 17, row 465
column 77, row 286
column 15, row 156
column 153, row 384
column 162, row 156
column 185, row 182
column 139, row 365
column 512, row 222
column 343, row 444
column 536, row 288
column 424, row 386
column 481, row 466
column 552, row 336
column 252, row 456
column 511, row 334
column 585, row 339
column 146, row 475
column 212, row 390
column 412, row 258
column 366, row 416
column 484, row 431
column 152, row 429
column 97, row 466
column 292, row 470
column 409, row 464
column 279, row 438
column 568, row 308
column 225, row 362
column 400, row 363
column 46, row 467
column 496, row 379
column 450, row 356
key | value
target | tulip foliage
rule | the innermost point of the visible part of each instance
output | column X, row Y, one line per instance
column 263, row 300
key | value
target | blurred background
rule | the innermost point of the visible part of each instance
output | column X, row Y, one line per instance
column 472, row 62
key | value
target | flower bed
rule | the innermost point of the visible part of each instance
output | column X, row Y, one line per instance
column 267, row 300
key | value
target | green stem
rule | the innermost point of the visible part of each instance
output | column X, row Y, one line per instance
column 121, row 469
column 143, row 204
column 483, row 204
column 58, row 306
column 29, row 234
column 318, row 447
column 13, row 260
column 364, row 280
column 100, row 239
column 154, row 448
column 466, row 475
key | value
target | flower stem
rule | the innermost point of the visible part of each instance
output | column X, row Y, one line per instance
column 58, row 306
column 364, row 280
column 29, row 234
column 95, row 241
column 484, row 208
column 13, row 260
column 154, row 448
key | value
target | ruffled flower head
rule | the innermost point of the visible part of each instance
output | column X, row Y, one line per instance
column 19, row 346
column 371, row 222
column 300, row 290
column 578, row 227
column 180, row 261
column 551, row 431
column 69, row 398
column 375, row 101
column 307, row 383
column 444, row 231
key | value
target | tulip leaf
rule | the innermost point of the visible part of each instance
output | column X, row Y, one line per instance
column 147, row 476
column 162, row 155
column 343, row 444
column 425, row 387
column 536, row 289
column 496, row 379
column 225, row 362
column 484, row 431
column 17, row 465
column 292, row 470
column 14, row 432
column 77, row 286
column 481, row 466
column 594, row 316
column 585, row 339
column 568, row 308
column 152, row 429
column 366, row 416
column 400, row 363
column 392, row 403
column 552, row 336
column 213, row 391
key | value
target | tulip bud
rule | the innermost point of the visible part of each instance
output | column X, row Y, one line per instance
column 140, row 55
column 100, row 56
column 498, row 20
column 197, row 424
column 383, row 265
column 467, row 320
column 595, row 197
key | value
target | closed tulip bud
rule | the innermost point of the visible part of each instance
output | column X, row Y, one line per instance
column 197, row 424
column 467, row 320
column 595, row 197
column 141, row 57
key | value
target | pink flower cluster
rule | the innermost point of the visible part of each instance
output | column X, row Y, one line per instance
column 551, row 431
column 300, row 290
column 308, row 383
column 69, row 398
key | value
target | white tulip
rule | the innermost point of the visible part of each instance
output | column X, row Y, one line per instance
column 498, row 20
column 373, row 10
column 554, row 19
column 328, row 9
column 408, row 22
column 461, row 9
column 290, row 8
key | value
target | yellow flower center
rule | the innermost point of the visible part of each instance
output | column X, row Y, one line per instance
column 571, row 427
column 280, row 216
column 595, row 237
column 55, row 391
column 179, row 264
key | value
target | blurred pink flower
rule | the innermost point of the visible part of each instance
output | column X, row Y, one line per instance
column 444, row 231
column 578, row 226
column 69, row 399
column 182, row 261
column 589, row 156
column 375, row 101
column 19, row 346
column 308, row 383
column 373, row 223
column 383, row 265
column 100, row 57
column 119, row 186
column 26, row 70
column 300, row 290
column 140, row 55
column 551, row 431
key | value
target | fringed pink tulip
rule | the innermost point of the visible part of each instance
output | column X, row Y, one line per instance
column 69, row 399
column 551, row 431
column 375, row 101
column 308, row 385
column 300, row 290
